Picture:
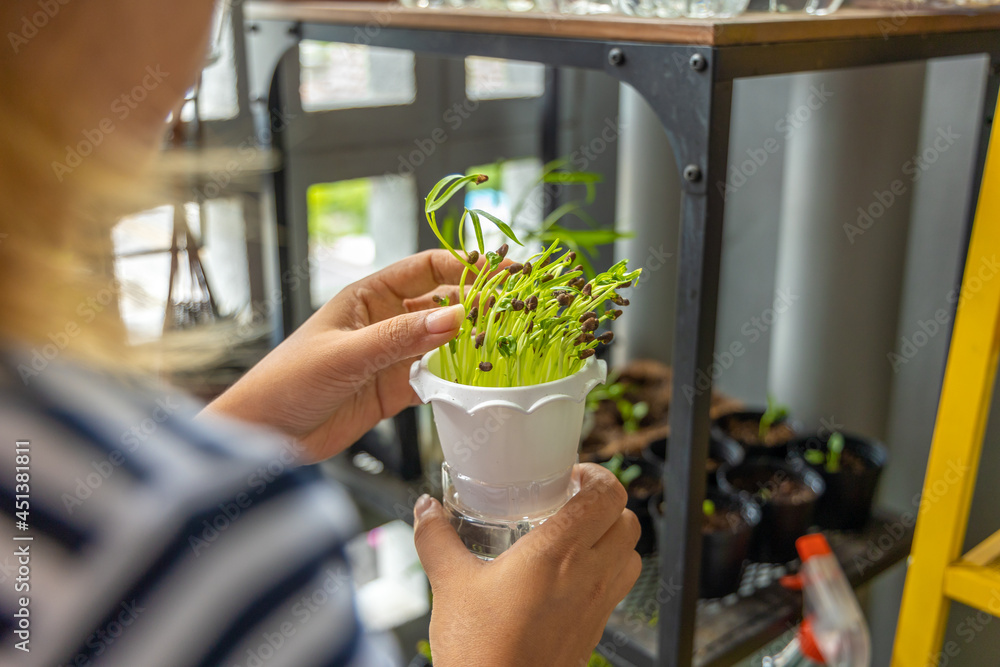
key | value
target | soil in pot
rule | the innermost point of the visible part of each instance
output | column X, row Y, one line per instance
column 720, row 450
column 851, row 484
column 744, row 428
column 727, row 533
column 787, row 492
column 643, row 381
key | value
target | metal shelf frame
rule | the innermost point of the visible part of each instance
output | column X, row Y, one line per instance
column 690, row 87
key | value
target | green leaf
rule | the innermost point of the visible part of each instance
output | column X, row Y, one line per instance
column 814, row 457
column 640, row 410
column 507, row 345
column 476, row 225
column 585, row 237
column 501, row 225
column 424, row 649
column 440, row 185
column 775, row 413
column 835, row 445
column 598, row 660
column 614, row 464
column 494, row 259
column 447, row 194
column 573, row 177
column 630, row 474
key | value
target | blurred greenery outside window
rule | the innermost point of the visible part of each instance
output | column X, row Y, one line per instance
column 357, row 227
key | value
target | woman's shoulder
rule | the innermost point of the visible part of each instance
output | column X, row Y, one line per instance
column 200, row 533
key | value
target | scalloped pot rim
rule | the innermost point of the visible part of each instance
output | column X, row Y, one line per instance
column 431, row 387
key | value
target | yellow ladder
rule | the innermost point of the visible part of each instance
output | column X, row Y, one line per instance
column 938, row 573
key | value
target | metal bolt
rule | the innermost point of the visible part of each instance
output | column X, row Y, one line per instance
column 616, row 56
column 698, row 62
column 692, row 173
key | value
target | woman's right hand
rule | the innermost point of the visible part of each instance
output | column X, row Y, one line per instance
column 546, row 600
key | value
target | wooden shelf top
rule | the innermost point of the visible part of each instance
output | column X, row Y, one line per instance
column 747, row 29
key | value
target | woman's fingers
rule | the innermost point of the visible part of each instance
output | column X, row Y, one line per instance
column 386, row 343
column 421, row 273
column 622, row 535
column 591, row 512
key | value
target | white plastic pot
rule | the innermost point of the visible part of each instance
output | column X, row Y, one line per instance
column 509, row 451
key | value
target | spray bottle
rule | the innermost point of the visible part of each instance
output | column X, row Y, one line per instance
column 834, row 631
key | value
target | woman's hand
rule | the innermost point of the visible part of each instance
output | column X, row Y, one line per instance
column 347, row 367
column 545, row 601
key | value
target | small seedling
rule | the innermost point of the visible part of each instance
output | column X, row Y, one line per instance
column 632, row 414
column 627, row 475
column 612, row 390
column 835, row 445
column 708, row 507
column 525, row 323
column 830, row 459
column 775, row 413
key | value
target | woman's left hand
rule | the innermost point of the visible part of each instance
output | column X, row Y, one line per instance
column 347, row 367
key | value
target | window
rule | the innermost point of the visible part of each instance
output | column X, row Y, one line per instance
column 343, row 76
column 217, row 96
column 142, row 247
column 513, row 187
column 357, row 227
column 498, row 79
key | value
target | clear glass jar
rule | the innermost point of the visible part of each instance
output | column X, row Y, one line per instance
column 702, row 9
column 588, row 6
column 814, row 7
column 644, row 8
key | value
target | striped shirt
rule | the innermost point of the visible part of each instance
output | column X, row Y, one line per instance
column 161, row 540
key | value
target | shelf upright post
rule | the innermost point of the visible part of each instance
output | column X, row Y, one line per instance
column 682, row 87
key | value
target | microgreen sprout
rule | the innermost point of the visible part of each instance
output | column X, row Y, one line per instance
column 612, row 390
column 829, row 459
column 775, row 413
column 526, row 323
column 625, row 475
column 835, row 446
column 632, row 414
column 708, row 507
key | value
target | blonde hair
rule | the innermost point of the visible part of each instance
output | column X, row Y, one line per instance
column 62, row 189
column 55, row 231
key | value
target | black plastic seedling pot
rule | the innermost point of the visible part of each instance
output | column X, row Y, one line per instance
column 787, row 492
column 728, row 425
column 648, row 485
column 725, row 545
column 850, row 490
column 721, row 449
